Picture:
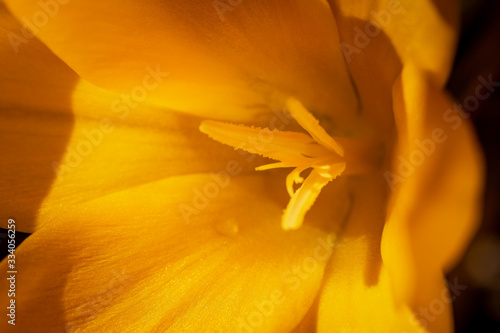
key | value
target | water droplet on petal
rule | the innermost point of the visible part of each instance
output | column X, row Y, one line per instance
column 227, row 227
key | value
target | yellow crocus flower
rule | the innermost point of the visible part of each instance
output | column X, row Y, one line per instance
column 118, row 123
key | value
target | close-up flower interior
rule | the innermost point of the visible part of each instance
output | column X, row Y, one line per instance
column 249, row 166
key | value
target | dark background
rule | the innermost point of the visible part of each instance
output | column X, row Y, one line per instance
column 477, row 309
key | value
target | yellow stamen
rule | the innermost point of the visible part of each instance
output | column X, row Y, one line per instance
column 274, row 144
column 312, row 126
column 318, row 151
column 294, row 178
column 304, row 198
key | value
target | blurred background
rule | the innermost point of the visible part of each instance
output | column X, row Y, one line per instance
column 477, row 309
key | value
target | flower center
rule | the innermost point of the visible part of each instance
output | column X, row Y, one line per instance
column 317, row 151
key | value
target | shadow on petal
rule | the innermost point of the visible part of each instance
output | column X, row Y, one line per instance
column 36, row 122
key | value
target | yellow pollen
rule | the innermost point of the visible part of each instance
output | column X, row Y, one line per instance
column 300, row 151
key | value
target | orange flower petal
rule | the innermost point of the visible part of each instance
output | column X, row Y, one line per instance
column 379, row 37
column 356, row 294
column 113, row 151
column 65, row 141
column 131, row 262
column 213, row 59
column 437, row 177
column 421, row 32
